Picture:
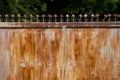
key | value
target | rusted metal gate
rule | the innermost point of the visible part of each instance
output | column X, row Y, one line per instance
column 59, row 51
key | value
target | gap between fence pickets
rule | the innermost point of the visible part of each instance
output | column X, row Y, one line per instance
column 63, row 51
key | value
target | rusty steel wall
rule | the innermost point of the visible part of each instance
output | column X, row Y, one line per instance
column 28, row 52
column 92, row 54
column 33, row 54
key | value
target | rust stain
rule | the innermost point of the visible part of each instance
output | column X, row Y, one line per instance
column 36, row 54
column 92, row 54
column 30, row 54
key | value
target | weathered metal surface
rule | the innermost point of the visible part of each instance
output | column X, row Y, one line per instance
column 34, row 54
column 59, row 51
column 92, row 54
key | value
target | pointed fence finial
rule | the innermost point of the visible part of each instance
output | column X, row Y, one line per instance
column 109, row 15
column 18, row 17
column 73, row 17
column 43, row 17
column 80, row 17
column 37, row 16
column 67, row 17
column 12, row 16
column 97, row 16
column 118, row 16
column 92, row 16
column 105, row 16
column 31, row 17
column 0, row 18
column 61, row 18
column 49, row 17
column 55, row 16
column 25, row 17
column 6, row 17
column 85, row 16
column 115, row 15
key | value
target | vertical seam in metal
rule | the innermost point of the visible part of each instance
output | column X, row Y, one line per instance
column 63, row 51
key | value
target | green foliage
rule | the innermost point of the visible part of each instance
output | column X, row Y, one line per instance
column 66, row 6
column 91, row 6
column 22, row 6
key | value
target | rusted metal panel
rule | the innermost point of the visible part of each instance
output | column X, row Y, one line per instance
column 92, row 54
column 59, row 51
column 34, row 54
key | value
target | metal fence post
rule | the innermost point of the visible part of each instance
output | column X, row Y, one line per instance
column 6, row 17
column 73, row 18
column 92, row 17
column 55, row 16
column 37, row 18
column 61, row 18
column 97, row 16
column 31, row 17
column 80, row 20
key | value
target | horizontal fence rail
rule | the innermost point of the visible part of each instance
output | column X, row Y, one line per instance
column 59, row 18
column 36, row 25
